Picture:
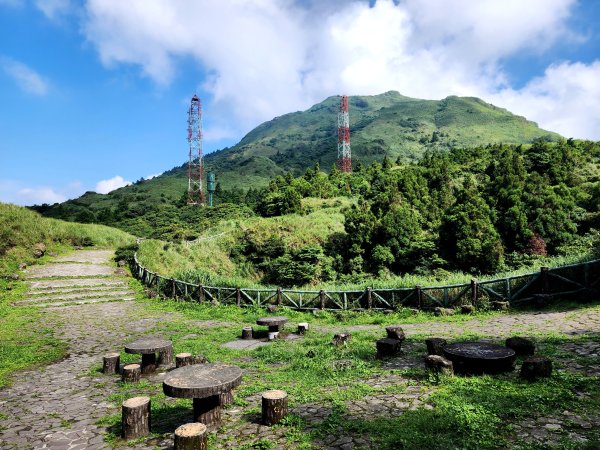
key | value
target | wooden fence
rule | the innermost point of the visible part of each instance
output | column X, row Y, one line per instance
column 574, row 280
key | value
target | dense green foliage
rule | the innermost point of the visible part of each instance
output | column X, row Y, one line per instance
column 21, row 229
column 478, row 210
column 387, row 125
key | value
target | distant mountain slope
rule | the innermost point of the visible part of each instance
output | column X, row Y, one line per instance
column 386, row 124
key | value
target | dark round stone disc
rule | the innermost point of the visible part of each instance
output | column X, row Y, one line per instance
column 201, row 380
column 148, row 345
column 475, row 358
column 272, row 321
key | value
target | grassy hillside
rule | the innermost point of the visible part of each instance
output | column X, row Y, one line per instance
column 21, row 229
column 389, row 125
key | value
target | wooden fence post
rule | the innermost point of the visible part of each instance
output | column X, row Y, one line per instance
column 238, row 296
column 279, row 296
column 201, row 294
column 322, row 298
column 544, row 278
column 419, row 293
column 369, row 298
column 473, row 291
column 173, row 288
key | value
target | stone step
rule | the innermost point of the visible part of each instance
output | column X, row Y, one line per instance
column 75, row 282
column 82, row 302
column 74, row 290
column 76, row 297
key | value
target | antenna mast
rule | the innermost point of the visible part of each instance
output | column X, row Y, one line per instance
column 195, row 193
column 344, row 161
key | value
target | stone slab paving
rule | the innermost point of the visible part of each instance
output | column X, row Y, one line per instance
column 57, row 407
column 68, row 270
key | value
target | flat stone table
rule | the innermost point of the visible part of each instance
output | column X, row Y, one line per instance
column 204, row 383
column 476, row 358
column 148, row 347
column 274, row 323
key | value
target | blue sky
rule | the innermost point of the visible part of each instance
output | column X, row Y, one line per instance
column 94, row 93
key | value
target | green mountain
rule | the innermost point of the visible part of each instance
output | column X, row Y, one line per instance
column 382, row 125
column 386, row 124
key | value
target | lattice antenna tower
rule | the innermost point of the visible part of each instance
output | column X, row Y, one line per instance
column 195, row 165
column 344, row 161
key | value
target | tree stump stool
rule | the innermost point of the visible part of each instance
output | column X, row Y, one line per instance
column 438, row 311
column 165, row 357
column 439, row 364
column 135, row 418
column 273, row 335
column 183, row 359
column 274, row 406
column 521, row 346
column 110, row 363
column 341, row 339
column 536, row 367
column 131, row 373
column 467, row 309
column 500, row 306
column 247, row 333
column 302, row 328
column 395, row 332
column 191, row 436
column 387, row 347
column 435, row 346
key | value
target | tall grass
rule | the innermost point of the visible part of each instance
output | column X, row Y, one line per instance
column 21, row 229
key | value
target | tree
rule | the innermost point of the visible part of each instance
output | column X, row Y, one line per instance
column 467, row 235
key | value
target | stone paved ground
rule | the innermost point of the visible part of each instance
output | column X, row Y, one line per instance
column 57, row 407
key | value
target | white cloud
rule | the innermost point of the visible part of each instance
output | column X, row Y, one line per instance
column 53, row 8
column 106, row 186
column 30, row 196
column 566, row 99
column 14, row 191
column 268, row 57
column 154, row 175
column 25, row 77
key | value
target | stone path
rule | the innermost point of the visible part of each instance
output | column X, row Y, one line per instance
column 79, row 278
column 58, row 406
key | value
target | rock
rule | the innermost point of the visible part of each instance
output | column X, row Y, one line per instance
column 39, row 249
column 395, row 332
column 439, row 364
column 521, row 346
column 536, row 367
column 500, row 306
column 443, row 311
column 151, row 293
column 121, row 263
column 435, row 346
column 120, row 271
column 272, row 308
column 22, row 266
column 14, row 276
column 467, row 309
column 341, row 339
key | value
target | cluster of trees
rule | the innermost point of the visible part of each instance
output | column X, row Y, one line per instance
column 466, row 209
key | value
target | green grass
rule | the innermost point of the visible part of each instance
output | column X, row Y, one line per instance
column 468, row 412
column 21, row 229
column 23, row 343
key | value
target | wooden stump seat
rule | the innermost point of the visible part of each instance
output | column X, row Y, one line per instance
column 274, row 406
column 111, row 363
column 131, row 373
column 191, row 436
column 135, row 417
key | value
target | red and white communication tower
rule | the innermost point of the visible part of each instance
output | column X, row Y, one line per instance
column 344, row 161
column 195, row 193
